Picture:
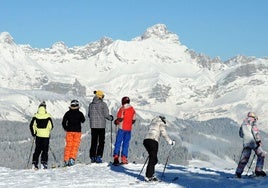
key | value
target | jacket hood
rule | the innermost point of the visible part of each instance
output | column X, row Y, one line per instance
column 42, row 113
column 96, row 100
column 159, row 120
column 41, row 110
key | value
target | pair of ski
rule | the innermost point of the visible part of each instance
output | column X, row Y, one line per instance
column 154, row 182
column 116, row 164
column 253, row 175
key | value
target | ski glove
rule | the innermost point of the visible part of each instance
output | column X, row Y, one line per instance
column 172, row 142
column 111, row 117
column 118, row 120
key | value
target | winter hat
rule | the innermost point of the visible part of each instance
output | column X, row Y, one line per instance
column 253, row 115
column 43, row 104
column 74, row 104
column 99, row 94
column 163, row 118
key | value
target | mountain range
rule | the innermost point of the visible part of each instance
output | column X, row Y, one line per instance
column 203, row 98
column 157, row 72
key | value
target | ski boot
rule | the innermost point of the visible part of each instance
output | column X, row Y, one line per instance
column 98, row 159
column 151, row 179
column 43, row 165
column 35, row 166
column 124, row 160
column 66, row 163
column 260, row 173
column 93, row 159
column 116, row 161
column 71, row 162
column 238, row 175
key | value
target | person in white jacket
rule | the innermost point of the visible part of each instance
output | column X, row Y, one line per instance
column 150, row 142
column 251, row 141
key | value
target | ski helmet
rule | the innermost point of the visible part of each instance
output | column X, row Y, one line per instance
column 125, row 100
column 43, row 104
column 253, row 115
column 74, row 103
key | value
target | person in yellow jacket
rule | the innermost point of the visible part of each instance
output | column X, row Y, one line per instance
column 40, row 127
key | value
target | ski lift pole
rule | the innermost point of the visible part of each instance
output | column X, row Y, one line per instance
column 31, row 150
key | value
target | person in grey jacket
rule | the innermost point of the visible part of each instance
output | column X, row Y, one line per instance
column 251, row 141
column 150, row 142
column 98, row 113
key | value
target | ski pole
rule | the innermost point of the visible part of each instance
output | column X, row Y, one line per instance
column 241, row 154
column 27, row 165
column 143, row 166
column 166, row 163
column 251, row 164
column 111, row 139
column 54, row 157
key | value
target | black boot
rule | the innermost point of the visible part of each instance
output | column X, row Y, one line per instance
column 238, row 175
column 260, row 173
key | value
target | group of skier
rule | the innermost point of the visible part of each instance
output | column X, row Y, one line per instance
column 98, row 112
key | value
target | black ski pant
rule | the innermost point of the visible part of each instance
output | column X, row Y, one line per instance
column 97, row 142
column 152, row 148
column 41, row 146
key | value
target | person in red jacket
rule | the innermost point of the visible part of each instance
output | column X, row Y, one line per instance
column 71, row 123
column 126, row 116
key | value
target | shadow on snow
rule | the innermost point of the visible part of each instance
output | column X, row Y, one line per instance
column 195, row 177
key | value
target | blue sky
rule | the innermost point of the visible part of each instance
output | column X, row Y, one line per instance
column 223, row 28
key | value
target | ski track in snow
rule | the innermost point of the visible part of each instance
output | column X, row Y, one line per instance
column 104, row 175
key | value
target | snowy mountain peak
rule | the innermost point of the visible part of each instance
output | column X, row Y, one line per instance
column 240, row 59
column 59, row 45
column 105, row 41
column 159, row 31
column 5, row 37
column 154, row 70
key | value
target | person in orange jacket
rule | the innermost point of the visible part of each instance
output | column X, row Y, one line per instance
column 71, row 123
column 126, row 116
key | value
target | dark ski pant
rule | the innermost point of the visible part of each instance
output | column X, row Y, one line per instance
column 41, row 146
column 245, row 157
column 97, row 142
column 152, row 148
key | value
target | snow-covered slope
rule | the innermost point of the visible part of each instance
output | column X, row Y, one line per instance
column 155, row 70
column 101, row 175
column 18, row 70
